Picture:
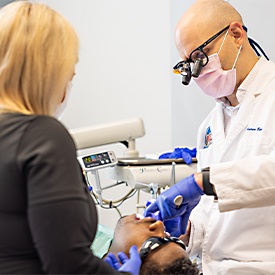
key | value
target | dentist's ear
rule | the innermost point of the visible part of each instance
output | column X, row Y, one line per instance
column 236, row 30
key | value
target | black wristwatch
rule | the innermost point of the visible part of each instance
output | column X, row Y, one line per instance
column 207, row 186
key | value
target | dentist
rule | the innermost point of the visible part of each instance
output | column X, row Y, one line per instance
column 231, row 228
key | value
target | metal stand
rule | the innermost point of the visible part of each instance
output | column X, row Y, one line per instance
column 173, row 174
column 98, row 186
column 154, row 189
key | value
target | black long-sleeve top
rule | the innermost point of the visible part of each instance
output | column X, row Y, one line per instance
column 48, row 219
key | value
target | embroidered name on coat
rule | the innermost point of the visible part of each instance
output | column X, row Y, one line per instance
column 258, row 129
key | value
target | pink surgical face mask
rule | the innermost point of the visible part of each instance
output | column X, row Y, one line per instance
column 213, row 80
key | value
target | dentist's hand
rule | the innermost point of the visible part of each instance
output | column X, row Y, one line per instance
column 173, row 227
column 166, row 204
column 131, row 265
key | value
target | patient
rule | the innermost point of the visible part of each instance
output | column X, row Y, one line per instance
column 165, row 255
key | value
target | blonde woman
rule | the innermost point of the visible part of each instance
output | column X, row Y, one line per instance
column 47, row 218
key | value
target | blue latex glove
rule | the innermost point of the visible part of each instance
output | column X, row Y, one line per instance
column 155, row 215
column 125, row 264
column 112, row 261
column 185, row 153
column 173, row 227
column 191, row 194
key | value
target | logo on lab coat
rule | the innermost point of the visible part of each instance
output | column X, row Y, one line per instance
column 208, row 138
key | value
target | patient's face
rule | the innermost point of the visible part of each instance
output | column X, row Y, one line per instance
column 130, row 230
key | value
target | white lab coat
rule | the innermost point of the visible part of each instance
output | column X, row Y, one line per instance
column 236, row 234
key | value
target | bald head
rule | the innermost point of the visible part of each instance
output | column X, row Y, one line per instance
column 202, row 20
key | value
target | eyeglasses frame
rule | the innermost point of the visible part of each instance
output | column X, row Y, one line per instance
column 200, row 48
column 147, row 249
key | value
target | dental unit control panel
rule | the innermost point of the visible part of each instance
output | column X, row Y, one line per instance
column 98, row 160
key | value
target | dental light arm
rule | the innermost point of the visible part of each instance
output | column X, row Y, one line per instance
column 103, row 134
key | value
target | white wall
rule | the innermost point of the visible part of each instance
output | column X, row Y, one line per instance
column 258, row 16
column 124, row 64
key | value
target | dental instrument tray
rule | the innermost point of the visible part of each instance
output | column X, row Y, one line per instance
column 147, row 161
column 140, row 173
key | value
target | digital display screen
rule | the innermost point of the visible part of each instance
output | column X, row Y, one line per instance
column 96, row 160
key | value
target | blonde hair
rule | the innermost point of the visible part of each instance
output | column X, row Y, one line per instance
column 38, row 53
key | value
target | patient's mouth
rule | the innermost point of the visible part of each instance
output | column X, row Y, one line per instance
column 139, row 216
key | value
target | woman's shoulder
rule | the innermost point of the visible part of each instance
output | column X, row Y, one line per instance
column 42, row 129
column 49, row 127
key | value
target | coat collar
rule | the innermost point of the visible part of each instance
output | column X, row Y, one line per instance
column 247, row 93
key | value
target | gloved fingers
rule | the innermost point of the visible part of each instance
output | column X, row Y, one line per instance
column 109, row 261
column 152, row 208
column 134, row 252
column 133, row 264
column 112, row 261
column 149, row 202
column 122, row 257
column 172, row 227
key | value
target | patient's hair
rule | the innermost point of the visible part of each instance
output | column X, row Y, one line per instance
column 38, row 52
column 179, row 266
